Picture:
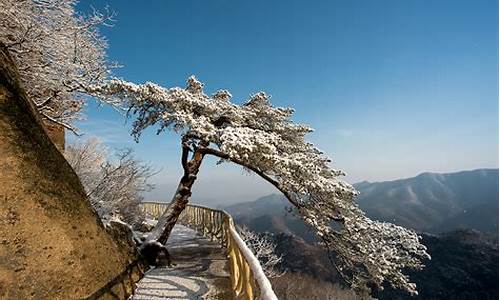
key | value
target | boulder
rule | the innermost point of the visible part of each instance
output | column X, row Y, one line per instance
column 147, row 225
column 123, row 235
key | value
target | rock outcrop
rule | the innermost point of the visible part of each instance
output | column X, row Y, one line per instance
column 56, row 134
column 52, row 243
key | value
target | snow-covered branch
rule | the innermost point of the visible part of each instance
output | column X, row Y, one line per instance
column 264, row 250
column 58, row 52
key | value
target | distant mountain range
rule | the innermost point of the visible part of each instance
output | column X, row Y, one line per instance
column 429, row 202
column 435, row 203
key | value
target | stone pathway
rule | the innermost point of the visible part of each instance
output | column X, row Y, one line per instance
column 201, row 270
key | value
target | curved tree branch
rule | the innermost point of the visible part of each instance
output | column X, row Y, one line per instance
column 266, row 177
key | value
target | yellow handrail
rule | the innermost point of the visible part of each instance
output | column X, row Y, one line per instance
column 247, row 278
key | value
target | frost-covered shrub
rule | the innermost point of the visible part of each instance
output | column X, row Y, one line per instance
column 264, row 249
column 113, row 186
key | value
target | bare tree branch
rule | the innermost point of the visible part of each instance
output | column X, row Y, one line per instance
column 112, row 185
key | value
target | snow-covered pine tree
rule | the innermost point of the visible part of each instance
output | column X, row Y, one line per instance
column 265, row 140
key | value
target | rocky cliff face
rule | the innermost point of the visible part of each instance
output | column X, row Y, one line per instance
column 56, row 134
column 52, row 244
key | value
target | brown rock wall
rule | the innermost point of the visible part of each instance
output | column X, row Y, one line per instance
column 52, row 244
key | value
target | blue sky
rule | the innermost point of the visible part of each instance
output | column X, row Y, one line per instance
column 393, row 88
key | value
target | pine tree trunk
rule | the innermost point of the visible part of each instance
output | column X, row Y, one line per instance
column 169, row 218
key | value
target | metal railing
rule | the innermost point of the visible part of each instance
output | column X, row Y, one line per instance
column 248, row 281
